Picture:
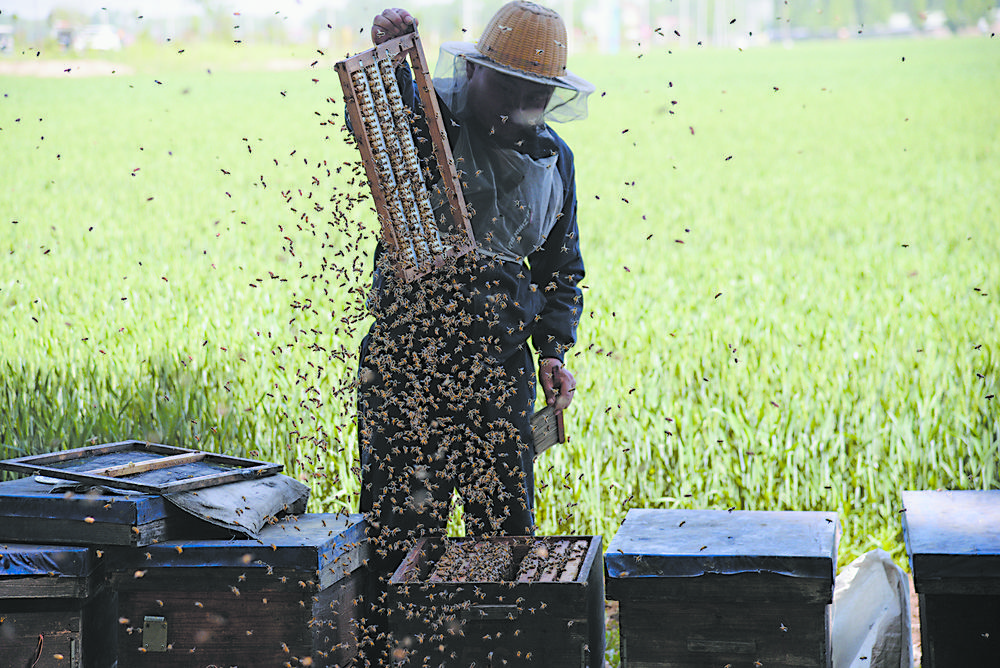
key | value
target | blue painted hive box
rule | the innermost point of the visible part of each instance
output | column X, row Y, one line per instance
column 30, row 511
column 710, row 588
column 290, row 598
column 55, row 608
column 953, row 541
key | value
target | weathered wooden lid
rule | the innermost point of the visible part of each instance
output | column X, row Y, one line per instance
column 313, row 542
column 952, row 534
column 688, row 543
column 152, row 468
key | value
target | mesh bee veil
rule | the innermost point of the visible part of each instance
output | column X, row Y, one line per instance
column 567, row 104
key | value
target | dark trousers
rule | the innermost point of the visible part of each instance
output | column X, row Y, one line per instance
column 432, row 419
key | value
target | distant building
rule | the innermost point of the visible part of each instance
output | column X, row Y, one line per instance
column 64, row 34
column 6, row 39
column 100, row 37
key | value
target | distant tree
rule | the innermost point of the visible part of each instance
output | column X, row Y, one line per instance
column 73, row 17
column 841, row 13
column 873, row 12
column 272, row 29
column 216, row 19
column 963, row 13
column 916, row 9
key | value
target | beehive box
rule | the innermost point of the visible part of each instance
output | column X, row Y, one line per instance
column 290, row 599
column 31, row 512
column 55, row 608
column 502, row 601
column 710, row 588
column 953, row 541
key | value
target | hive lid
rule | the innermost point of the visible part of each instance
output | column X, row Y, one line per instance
column 30, row 511
column 76, row 513
column 308, row 542
column 20, row 559
column 689, row 543
column 27, row 497
column 952, row 534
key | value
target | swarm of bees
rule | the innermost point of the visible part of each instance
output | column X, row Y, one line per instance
column 431, row 398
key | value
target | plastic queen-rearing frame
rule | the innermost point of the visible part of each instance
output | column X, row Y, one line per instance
column 383, row 127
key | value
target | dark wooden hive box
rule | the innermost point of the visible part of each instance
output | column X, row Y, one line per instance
column 710, row 588
column 54, row 604
column 290, row 599
column 30, row 511
column 953, row 541
column 557, row 622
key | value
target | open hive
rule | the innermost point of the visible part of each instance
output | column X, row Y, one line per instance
column 509, row 600
column 404, row 178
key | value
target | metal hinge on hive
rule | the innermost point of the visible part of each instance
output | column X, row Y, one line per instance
column 418, row 241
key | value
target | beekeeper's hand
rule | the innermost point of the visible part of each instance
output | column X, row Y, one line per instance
column 558, row 383
column 392, row 23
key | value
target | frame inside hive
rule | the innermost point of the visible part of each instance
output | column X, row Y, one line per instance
column 418, row 241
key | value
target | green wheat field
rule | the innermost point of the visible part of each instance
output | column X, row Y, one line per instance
column 792, row 291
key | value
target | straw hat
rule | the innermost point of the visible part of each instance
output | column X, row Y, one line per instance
column 527, row 41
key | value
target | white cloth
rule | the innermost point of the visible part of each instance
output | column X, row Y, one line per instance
column 871, row 614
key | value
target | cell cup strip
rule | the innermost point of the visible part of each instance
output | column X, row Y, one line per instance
column 384, row 129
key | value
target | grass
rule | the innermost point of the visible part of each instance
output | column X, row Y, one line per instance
column 824, row 335
column 811, row 324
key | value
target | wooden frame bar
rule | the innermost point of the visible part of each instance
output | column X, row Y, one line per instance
column 384, row 132
column 234, row 469
column 547, row 429
column 148, row 465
